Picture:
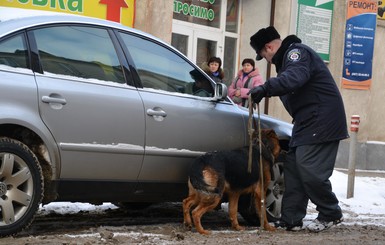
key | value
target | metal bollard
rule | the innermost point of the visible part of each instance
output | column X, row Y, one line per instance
column 354, row 126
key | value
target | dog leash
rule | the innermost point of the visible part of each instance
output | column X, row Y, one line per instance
column 251, row 133
column 261, row 177
column 263, row 208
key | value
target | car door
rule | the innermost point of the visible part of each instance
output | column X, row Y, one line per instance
column 96, row 118
column 180, row 124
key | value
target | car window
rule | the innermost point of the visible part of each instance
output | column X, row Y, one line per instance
column 79, row 51
column 13, row 52
column 160, row 68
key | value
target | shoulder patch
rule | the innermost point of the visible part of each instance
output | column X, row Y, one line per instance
column 294, row 55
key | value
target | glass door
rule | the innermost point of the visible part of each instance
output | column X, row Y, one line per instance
column 214, row 33
column 180, row 42
column 198, row 45
column 208, row 44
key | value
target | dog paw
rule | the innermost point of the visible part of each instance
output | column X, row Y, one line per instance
column 269, row 228
column 204, row 232
column 239, row 228
column 187, row 226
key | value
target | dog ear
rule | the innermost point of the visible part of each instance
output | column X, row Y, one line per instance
column 265, row 134
column 270, row 139
column 269, row 132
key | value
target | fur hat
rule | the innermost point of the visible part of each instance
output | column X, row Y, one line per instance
column 250, row 61
column 263, row 36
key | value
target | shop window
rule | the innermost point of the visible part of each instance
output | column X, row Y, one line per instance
column 232, row 12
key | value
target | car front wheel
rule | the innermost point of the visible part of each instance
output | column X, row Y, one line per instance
column 273, row 197
column 21, row 186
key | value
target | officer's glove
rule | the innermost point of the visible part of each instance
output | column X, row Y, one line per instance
column 257, row 93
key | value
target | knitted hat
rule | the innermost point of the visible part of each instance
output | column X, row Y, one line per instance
column 250, row 61
column 262, row 37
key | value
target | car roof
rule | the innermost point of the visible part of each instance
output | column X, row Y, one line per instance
column 14, row 19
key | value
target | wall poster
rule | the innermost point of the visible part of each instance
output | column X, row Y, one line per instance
column 359, row 44
column 314, row 25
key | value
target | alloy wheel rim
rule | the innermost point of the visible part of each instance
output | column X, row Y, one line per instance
column 16, row 188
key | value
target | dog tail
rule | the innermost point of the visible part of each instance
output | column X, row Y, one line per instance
column 204, row 178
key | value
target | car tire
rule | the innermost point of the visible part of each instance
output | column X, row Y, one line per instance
column 273, row 199
column 21, row 186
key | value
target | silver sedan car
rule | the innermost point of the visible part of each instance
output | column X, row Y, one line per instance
column 93, row 111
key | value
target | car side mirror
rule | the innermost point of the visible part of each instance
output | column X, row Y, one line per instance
column 220, row 91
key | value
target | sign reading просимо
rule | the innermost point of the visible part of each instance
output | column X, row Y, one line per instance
column 195, row 10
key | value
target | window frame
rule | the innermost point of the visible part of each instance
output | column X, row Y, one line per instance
column 25, row 42
column 132, row 63
column 36, row 59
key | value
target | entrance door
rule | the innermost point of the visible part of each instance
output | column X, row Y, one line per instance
column 197, row 44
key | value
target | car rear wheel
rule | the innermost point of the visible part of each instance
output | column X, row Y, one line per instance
column 273, row 197
column 21, row 186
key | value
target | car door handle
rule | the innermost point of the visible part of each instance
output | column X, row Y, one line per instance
column 156, row 112
column 49, row 99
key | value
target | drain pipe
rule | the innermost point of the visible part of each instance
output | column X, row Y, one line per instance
column 268, row 71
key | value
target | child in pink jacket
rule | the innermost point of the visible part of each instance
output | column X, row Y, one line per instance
column 248, row 77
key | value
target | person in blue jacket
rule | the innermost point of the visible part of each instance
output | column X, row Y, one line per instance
column 312, row 98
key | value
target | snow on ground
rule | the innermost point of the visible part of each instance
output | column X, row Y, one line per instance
column 366, row 207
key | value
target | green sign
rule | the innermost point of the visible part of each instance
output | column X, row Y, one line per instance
column 314, row 25
column 195, row 10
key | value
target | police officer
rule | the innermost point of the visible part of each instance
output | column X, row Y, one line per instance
column 311, row 96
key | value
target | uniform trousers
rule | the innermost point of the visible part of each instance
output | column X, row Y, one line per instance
column 307, row 170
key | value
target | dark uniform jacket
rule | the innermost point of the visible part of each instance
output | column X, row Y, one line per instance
column 309, row 93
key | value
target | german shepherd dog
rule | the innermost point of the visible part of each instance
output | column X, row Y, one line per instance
column 226, row 172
